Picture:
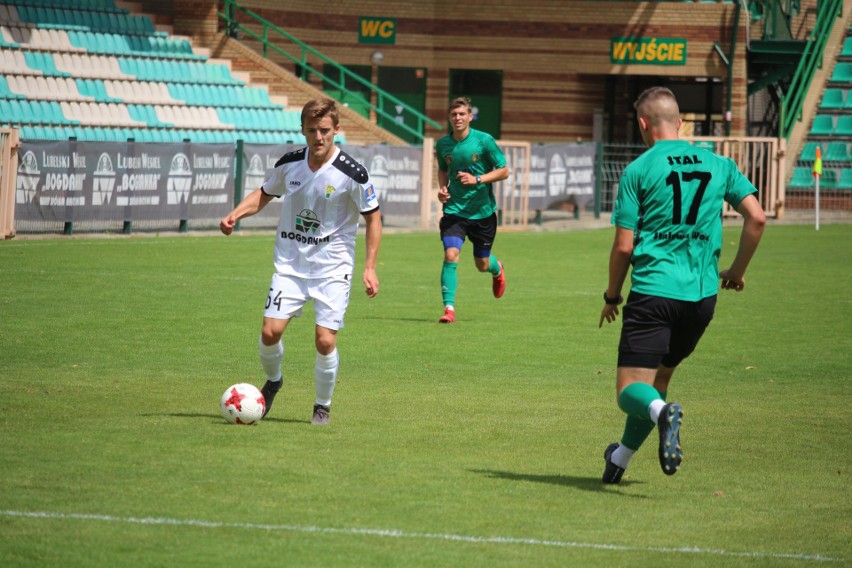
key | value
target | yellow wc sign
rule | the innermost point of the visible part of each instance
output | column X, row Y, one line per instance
column 377, row 30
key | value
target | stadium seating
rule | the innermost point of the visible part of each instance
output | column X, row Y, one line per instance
column 90, row 70
column 836, row 152
column 823, row 125
column 843, row 126
column 829, row 179
column 845, row 179
column 802, row 178
column 833, row 99
column 847, row 48
column 809, row 151
column 842, row 73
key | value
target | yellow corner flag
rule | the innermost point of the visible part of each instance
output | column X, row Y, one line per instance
column 817, row 171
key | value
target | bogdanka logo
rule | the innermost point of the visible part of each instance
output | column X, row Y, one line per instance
column 104, row 181
column 180, row 180
column 28, row 178
column 307, row 221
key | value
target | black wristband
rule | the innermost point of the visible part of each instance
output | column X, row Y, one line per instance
column 612, row 301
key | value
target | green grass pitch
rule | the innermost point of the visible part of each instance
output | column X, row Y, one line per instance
column 475, row 444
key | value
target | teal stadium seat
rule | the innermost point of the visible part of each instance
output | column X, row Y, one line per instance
column 842, row 73
column 833, row 99
column 829, row 179
column 801, row 179
column 845, row 181
column 844, row 125
column 837, row 152
column 823, row 125
column 847, row 47
column 809, row 152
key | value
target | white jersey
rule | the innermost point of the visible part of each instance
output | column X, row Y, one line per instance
column 320, row 213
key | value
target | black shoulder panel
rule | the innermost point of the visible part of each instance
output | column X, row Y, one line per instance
column 346, row 164
column 294, row 156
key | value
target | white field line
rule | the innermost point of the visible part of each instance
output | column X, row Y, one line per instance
column 388, row 533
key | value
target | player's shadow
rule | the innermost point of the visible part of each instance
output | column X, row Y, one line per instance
column 582, row 483
column 217, row 418
column 423, row 319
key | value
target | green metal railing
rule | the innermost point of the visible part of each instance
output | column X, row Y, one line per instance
column 383, row 98
column 828, row 12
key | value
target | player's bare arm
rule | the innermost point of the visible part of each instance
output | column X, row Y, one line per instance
column 252, row 204
column 499, row 174
column 619, row 264
column 374, row 236
column 754, row 222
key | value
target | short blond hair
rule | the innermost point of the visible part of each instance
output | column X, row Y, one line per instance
column 319, row 108
column 656, row 105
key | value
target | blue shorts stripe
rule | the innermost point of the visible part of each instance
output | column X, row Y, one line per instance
column 452, row 242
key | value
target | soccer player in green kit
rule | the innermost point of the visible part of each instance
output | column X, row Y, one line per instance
column 469, row 161
column 668, row 225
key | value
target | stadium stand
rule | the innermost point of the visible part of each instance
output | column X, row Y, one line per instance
column 90, row 70
column 831, row 130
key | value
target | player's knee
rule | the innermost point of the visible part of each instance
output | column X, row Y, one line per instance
column 325, row 343
column 270, row 334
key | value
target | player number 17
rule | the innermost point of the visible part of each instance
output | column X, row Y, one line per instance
column 674, row 179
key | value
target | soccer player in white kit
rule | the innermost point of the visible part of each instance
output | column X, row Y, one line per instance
column 323, row 190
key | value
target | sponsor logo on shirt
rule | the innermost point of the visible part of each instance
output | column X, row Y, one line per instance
column 370, row 192
column 307, row 221
column 329, row 190
column 295, row 182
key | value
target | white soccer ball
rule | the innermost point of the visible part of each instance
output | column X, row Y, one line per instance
column 242, row 403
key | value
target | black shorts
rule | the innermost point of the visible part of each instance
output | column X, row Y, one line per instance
column 481, row 232
column 661, row 330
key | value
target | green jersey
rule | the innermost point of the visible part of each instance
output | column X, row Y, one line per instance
column 672, row 198
column 477, row 154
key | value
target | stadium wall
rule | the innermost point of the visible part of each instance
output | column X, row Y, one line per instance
column 554, row 54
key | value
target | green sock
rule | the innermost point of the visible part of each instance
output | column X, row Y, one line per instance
column 636, row 430
column 494, row 267
column 635, row 399
column 449, row 282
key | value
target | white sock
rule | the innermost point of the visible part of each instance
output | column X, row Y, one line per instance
column 325, row 374
column 449, row 307
column 621, row 456
column 655, row 408
column 271, row 357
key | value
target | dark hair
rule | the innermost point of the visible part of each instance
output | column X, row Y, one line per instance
column 319, row 108
column 459, row 101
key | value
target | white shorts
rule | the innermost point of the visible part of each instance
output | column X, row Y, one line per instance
column 288, row 295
